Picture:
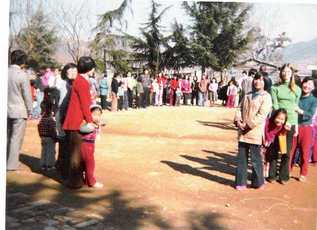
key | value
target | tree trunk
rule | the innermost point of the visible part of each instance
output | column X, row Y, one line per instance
column 223, row 76
column 203, row 68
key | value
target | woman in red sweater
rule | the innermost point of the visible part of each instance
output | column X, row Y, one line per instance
column 77, row 112
column 174, row 85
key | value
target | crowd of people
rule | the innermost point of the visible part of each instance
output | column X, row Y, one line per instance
column 125, row 92
column 67, row 113
column 273, row 121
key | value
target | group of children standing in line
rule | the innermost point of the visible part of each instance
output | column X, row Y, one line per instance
column 272, row 125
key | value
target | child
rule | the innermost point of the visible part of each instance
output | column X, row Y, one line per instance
column 139, row 92
column 213, row 88
column 250, row 119
column 88, row 147
column 232, row 92
column 120, row 96
column 273, row 127
column 178, row 96
column 47, row 132
column 156, row 89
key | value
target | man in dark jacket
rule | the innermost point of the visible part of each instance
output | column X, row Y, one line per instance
column 114, row 92
column 146, row 82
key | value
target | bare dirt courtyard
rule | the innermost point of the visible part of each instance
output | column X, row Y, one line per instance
column 169, row 168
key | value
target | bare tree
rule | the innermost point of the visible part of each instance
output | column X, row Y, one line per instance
column 19, row 16
column 72, row 25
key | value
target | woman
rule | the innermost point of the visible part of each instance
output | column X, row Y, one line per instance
column 232, row 92
column 103, row 87
column 285, row 95
column 202, row 92
column 250, row 120
column 173, row 88
column 186, row 89
column 68, row 75
column 194, row 88
column 306, row 109
column 222, row 92
column 213, row 88
column 114, row 92
column 78, row 112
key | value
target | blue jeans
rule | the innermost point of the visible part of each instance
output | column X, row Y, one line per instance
column 125, row 100
column 257, row 178
column 37, row 109
column 201, row 98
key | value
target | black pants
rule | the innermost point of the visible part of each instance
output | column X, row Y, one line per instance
column 120, row 103
column 164, row 96
column 139, row 101
column 130, row 97
column 63, row 158
column 274, row 156
column 72, row 165
column 103, row 101
column 257, row 178
column 186, row 97
column 194, row 97
column 146, row 97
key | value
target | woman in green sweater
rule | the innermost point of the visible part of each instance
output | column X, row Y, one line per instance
column 285, row 95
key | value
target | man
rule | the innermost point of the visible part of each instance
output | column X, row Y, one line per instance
column 146, row 82
column 19, row 107
column 246, row 84
column 131, row 86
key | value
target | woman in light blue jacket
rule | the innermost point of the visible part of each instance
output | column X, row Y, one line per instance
column 103, row 87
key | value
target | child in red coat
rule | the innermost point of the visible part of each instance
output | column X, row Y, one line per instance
column 88, row 147
column 274, row 126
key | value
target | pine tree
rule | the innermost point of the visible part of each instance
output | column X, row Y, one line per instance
column 37, row 39
column 102, row 40
column 178, row 53
column 149, row 47
column 217, row 32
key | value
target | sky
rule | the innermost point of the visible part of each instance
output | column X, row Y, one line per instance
column 297, row 20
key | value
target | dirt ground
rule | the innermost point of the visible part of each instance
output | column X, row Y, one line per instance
column 171, row 168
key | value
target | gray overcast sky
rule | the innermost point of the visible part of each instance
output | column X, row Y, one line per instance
column 297, row 20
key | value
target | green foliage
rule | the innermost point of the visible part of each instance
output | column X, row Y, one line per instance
column 105, row 41
column 116, row 57
column 38, row 40
column 149, row 47
column 120, row 61
column 100, row 65
column 179, row 53
column 217, row 32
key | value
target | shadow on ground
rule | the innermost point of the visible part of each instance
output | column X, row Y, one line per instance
column 118, row 210
column 220, row 125
column 34, row 164
column 219, row 162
